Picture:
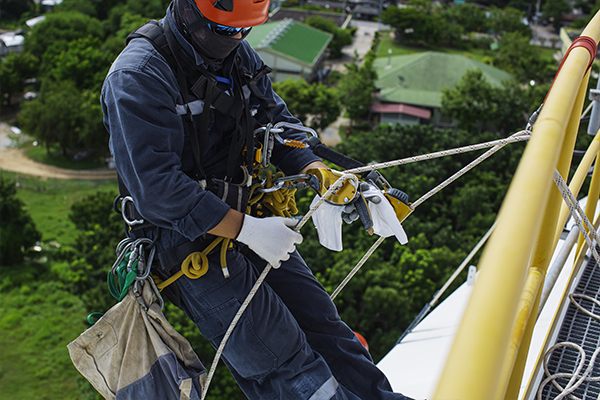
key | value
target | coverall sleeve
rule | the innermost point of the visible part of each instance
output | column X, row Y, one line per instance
column 290, row 160
column 146, row 140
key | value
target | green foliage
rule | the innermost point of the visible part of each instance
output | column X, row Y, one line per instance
column 14, row 70
column 471, row 102
column 357, row 86
column 316, row 101
column 470, row 17
column 64, row 116
column 90, row 257
column 38, row 319
column 58, row 29
column 554, row 10
column 508, row 20
column 18, row 231
column 476, row 105
column 341, row 37
column 523, row 60
column 84, row 62
column 419, row 26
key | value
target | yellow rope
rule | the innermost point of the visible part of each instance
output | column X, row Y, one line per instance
column 281, row 203
column 195, row 265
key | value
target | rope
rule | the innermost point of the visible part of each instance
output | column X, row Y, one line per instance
column 578, row 214
column 332, row 189
column 517, row 137
column 281, row 203
column 350, row 175
column 497, row 145
column 575, row 379
column 195, row 265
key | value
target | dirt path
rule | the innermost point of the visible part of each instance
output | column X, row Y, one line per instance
column 14, row 160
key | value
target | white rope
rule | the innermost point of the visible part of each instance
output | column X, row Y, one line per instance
column 351, row 175
column 578, row 215
column 357, row 267
column 575, row 379
column 517, row 137
column 332, row 189
column 498, row 144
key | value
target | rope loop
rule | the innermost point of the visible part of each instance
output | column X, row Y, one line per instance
column 195, row 265
column 281, row 203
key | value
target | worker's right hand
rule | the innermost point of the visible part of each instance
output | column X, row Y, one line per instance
column 273, row 239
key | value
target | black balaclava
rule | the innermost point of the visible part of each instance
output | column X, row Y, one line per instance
column 212, row 47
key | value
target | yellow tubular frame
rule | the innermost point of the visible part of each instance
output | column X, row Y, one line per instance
column 477, row 366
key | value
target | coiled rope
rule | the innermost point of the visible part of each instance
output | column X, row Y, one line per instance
column 577, row 378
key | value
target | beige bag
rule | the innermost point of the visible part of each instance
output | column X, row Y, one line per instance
column 132, row 352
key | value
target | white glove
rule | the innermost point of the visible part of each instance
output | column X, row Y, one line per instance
column 271, row 238
column 328, row 221
column 385, row 221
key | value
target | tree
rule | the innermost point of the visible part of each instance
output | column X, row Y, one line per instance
column 554, row 10
column 409, row 23
column 14, row 70
column 472, row 102
column 84, row 62
column 341, row 37
column 357, row 86
column 517, row 56
column 315, row 105
column 469, row 16
column 18, row 231
column 508, row 20
column 58, row 29
column 66, row 117
column 477, row 105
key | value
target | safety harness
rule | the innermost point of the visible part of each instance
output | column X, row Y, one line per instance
column 244, row 195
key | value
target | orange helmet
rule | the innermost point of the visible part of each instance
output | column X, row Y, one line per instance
column 236, row 13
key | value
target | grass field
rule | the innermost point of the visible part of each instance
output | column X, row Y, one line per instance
column 37, row 321
column 49, row 201
column 56, row 159
column 38, row 318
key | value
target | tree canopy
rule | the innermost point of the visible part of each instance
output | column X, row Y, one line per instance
column 18, row 232
column 316, row 105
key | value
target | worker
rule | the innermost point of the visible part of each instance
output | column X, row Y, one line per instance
column 181, row 103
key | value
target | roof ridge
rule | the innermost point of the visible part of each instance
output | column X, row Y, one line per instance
column 273, row 36
column 399, row 68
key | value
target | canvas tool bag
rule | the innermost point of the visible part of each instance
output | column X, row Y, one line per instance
column 132, row 352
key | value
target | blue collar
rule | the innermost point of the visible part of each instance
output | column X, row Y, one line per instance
column 184, row 43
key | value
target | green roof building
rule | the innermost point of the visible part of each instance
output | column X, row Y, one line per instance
column 416, row 82
column 292, row 49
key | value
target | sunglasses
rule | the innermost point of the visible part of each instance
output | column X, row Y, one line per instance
column 225, row 30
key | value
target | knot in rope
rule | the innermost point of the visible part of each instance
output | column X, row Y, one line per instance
column 195, row 265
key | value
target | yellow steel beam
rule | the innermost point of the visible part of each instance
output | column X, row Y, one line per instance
column 475, row 361
column 516, row 356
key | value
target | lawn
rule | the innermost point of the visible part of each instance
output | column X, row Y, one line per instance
column 49, row 201
column 37, row 320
